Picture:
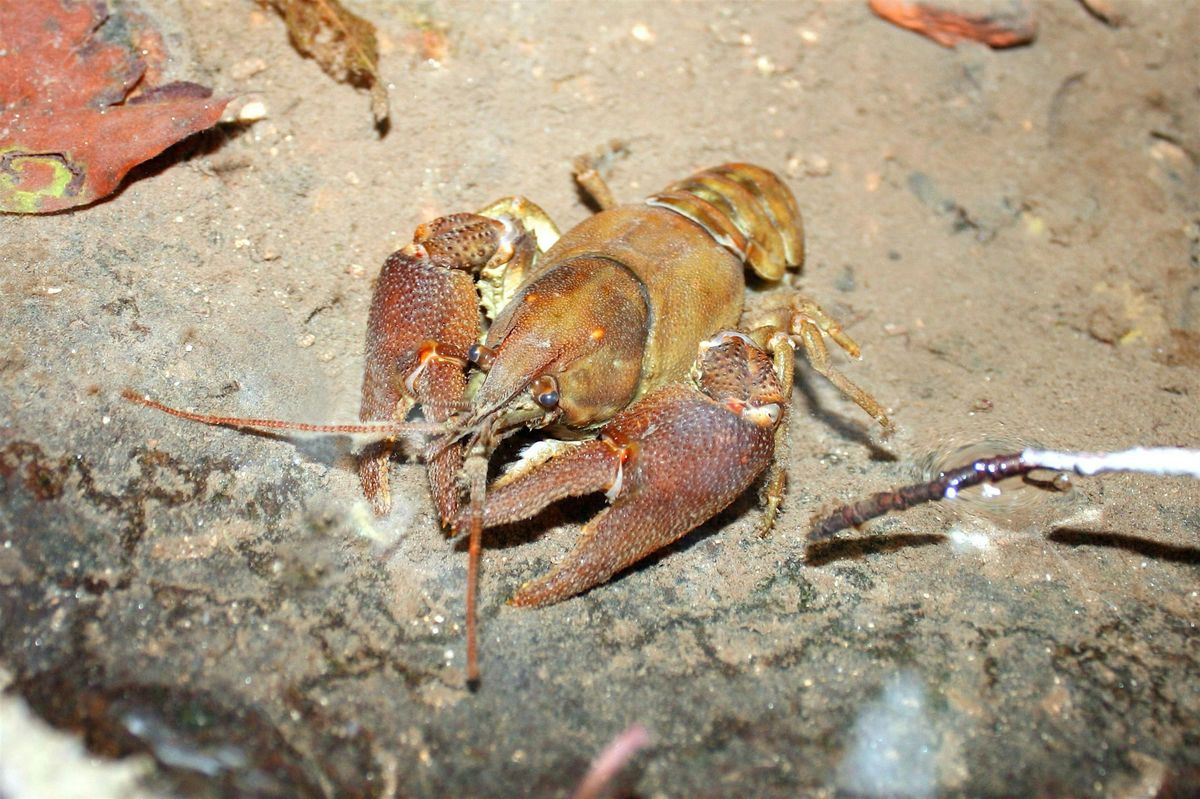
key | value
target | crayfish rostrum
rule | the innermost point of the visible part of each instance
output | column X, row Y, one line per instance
column 624, row 339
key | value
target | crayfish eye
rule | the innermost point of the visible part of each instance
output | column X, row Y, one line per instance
column 481, row 356
column 545, row 392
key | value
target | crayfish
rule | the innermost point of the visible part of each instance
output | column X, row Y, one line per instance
column 624, row 339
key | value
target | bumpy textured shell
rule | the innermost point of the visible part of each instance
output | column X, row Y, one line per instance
column 688, row 246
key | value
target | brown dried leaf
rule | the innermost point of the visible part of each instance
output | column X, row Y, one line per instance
column 340, row 41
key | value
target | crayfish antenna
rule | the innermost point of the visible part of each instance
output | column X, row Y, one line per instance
column 369, row 432
column 476, row 470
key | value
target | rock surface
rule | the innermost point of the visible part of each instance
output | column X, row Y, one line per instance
column 1019, row 256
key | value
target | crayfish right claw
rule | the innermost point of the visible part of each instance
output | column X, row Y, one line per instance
column 424, row 318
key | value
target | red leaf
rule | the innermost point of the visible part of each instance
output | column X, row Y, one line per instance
column 996, row 23
column 78, row 108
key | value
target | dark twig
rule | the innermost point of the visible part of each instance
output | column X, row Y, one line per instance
column 1158, row 461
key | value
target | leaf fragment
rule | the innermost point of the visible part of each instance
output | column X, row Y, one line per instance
column 80, row 103
column 341, row 42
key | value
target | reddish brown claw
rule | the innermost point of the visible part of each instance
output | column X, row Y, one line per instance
column 424, row 318
column 668, row 464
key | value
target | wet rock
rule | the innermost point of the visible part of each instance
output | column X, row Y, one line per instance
column 193, row 736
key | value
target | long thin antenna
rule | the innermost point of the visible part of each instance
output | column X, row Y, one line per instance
column 476, row 468
column 381, row 429
column 1162, row 461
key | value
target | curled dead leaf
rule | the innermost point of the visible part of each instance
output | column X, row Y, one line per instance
column 341, row 42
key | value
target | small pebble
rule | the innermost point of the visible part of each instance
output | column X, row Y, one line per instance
column 642, row 33
column 252, row 111
column 817, row 166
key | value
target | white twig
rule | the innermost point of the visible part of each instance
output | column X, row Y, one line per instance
column 1147, row 460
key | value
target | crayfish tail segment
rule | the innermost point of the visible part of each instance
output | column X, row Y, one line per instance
column 746, row 209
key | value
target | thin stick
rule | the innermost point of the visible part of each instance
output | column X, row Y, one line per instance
column 381, row 429
column 1163, row 461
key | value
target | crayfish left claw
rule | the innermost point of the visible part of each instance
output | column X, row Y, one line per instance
column 692, row 458
column 423, row 318
column 668, row 464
